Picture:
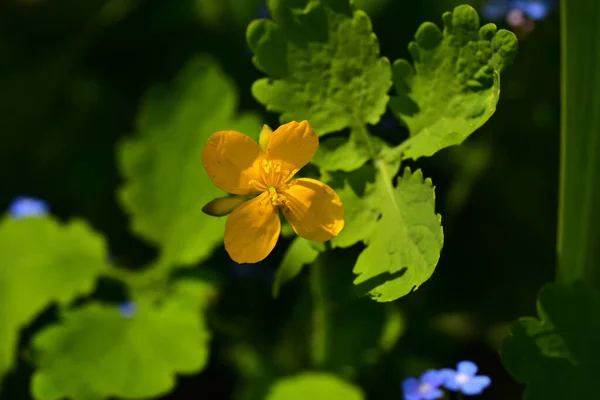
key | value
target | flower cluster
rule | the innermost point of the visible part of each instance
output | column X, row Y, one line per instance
column 521, row 15
column 533, row 9
column 463, row 379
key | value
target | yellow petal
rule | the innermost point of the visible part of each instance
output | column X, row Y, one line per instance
column 313, row 209
column 252, row 230
column 293, row 144
column 223, row 205
column 232, row 160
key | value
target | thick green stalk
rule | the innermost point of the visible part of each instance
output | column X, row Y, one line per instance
column 579, row 210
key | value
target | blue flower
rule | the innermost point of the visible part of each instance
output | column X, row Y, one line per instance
column 127, row 309
column 464, row 379
column 536, row 10
column 23, row 207
column 424, row 388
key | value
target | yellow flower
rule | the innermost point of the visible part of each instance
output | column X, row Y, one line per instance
column 238, row 165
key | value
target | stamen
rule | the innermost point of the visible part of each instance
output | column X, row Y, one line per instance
column 273, row 174
column 275, row 197
column 273, row 192
column 291, row 175
column 266, row 166
column 257, row 185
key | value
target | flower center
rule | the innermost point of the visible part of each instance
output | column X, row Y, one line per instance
column 273, row 193
column 277, row 199
column 462, row 378
column 425, row 388
column 274, row 174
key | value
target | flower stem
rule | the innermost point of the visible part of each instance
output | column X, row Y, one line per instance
column 319, row 334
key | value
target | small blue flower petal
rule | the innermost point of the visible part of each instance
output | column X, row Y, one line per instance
column 127, row 309
column 432, row 377
column 476, row 385
column 449, row 379
column 464, row 379
column 424, row 388
column 467, row 367
column 23, row 207
column 433, row 394
column 410, row 385
column 537, row 10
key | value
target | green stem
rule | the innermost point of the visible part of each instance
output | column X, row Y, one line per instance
column 320, row 329
column 578, row 253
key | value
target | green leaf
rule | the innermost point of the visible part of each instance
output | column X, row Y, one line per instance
column 167, row 185
column 314, row 386
column 454, row 86
column 42, row 261
column 407, row 237
column 325, row 67
column 297, row 255
column 558, row 355
column 97, row 353
column 578, row 229
column 360, row 213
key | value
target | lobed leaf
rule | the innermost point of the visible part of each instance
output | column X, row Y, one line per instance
column 557, row 355
column 95, row 352
column 407, row 239
column 314, row 386
column 166, row 184
column 42, row 261
column 324, row 66
column 454, row 85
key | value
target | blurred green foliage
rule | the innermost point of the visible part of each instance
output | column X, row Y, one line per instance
column 315, row 386
column 96, row 352
column 558, row 355
column 167, row 185
column 43, row 261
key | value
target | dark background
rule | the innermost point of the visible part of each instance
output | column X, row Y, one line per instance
column 71, row 77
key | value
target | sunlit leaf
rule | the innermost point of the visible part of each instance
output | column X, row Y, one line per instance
column 558, row 355
column 297, row 255
column 360, row 213
column 314, row 386
column 454, row 85
column 96, row 352
column 407, row 238
column 42, row 261
column 325, row 67
column 166, row 184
